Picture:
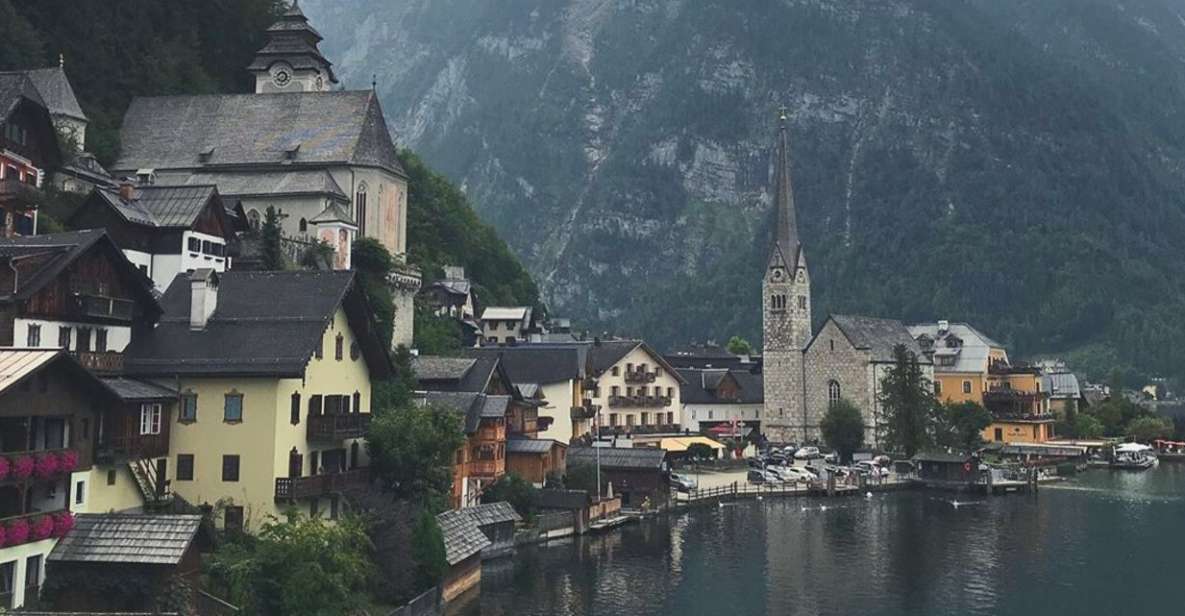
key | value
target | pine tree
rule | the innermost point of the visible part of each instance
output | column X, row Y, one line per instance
column 907, row 402
column 273, row 256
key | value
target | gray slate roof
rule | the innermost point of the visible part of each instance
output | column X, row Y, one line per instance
column 622, row 458
column 535, row 446
column 701, row 384
column 163, row 206
column 471, row 405
column 266, row 324
column 171, row 132
column 270, row 183
column 462, row 537
column 970, row 356
column 1061, row 385
column 56, row 92
column 127, row 538
column 133, row 390
column 433, row 368
column 492, row 513
column 455, row 373
column 15, row 86
column 530, row 363
column 878, row 336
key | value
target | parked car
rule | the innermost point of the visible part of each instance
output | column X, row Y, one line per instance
column 756, row 476
column 831, row 458
column 683, row 483
column 783, row 473
column 776, row 459
column 868, row 467
column 808, row 453
column 797, row 474
column 757, row 463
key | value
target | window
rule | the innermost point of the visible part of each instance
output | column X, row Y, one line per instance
column 319, row 352
column 802, row 302
column 360, row 209
column 357, row 402
column 7, row 579
column 194, row 244
column 33, row 339
column 629, row 420
column 80, row 493
column 338, row 347
column 84, row 339
column 188, row 408
column 670, row 419
column 832, row 393
column 645, row 419
column 254, row 219
column 999, row 434
column 185, row 467
column 937, row 388
column 150, row 418
column 32, row 577
column 111, row 477
column 333, row 508
column 294, row 412
column 232, row 408
column 230, row 468
column 100, row 341
column 232, row 520
column 832, row 341
column 616, row 371
column 614, row 390
column 355, row 351
column 966, row 387
column 304, row 226
column 613, row 419
column 315, row 405
column 64, row 335
column 671, row 393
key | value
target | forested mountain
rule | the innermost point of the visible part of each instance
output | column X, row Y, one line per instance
column 1015, row 163
column 114, row 51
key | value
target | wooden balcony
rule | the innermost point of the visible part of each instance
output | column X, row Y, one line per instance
column 101, row 307
column 487, row 468
column 133, row 447
column 34, row 454
column 637, row 429
column 337, row 427
column 107, row 362
column 640, row 376
column 18, row 195
column 587, row 411
column 639, row 401
column 321, row 485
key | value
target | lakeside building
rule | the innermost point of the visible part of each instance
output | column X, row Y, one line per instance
column 28, row 152
column 463, row 545
column 971, row 367
column 721, row 401
column 322, row 158
column 481, row 460
column 274, row 373
column 637, row 475
column 560, row 376
column 635, row 390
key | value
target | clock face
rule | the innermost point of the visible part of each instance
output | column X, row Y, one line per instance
column 282, row 78
column 320, row 83
column 281, row 74
column 778, row 274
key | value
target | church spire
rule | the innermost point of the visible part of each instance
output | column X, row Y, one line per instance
column 787, row 229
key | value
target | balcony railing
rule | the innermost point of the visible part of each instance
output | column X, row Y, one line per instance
column 640, row 376
column 101, row 307
column 487, row 468
column 107, row 362
column 19, row 195
column 636, row 429
column 587, row 411
column 337, row 427
column 645, row 401
column 133, row 447
column 46, row 464
column 321, row 485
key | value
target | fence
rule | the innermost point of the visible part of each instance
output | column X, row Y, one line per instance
column 427, row 604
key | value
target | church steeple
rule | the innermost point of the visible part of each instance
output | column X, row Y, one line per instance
column 786, row 233
column 290, row 60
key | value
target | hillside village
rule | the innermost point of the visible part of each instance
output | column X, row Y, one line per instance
column 205, row 351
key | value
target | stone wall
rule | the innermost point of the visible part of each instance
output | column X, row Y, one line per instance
column 786, row 331
column 831, row 357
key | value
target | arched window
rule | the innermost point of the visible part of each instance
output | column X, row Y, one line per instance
column 254, row 219
column 304, row 226
column 833, row 393
column 360, row 209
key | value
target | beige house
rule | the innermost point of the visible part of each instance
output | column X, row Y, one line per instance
column 636, row 390
column 274, row 372
column 505, row 325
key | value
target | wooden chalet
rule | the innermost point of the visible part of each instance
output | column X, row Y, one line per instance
column 28, row 151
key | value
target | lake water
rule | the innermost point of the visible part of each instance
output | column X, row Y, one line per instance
column 1104, row 543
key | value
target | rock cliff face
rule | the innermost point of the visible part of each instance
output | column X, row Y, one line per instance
column 1015, row 163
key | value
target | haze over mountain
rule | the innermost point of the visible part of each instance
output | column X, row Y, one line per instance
column 1014, row 163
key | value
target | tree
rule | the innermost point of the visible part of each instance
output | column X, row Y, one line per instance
column 701, row 452
column 1147, row 429
column 373, row 263
column 960, row 426
column 739, row 346
column 412, row 450
column 427, row 550
column 23, row 47
column 581, row 477
column 1087, row 427
column 299, row 566
column 843, row 428
column 907, row 402
column 396, row 393
column 272, row 256
column 520, row 493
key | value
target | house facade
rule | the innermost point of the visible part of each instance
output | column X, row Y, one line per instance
column 505, row 325
column 273, row 371
column 29, row 151
column 557, row 376
column 721, row 401
column 634, row 389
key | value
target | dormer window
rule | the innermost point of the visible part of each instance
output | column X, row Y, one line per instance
column 205, row 155
column 146, row 177
column 291, row 151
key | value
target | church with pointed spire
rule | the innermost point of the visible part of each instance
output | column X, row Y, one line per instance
column 804, row 374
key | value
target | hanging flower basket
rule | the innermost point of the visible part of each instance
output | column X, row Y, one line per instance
column 18, row 532
column 5, row 468
column 3, row 535
column 22, row 467
column 67, row 461
column 42, row 528
column 62, row 523
column 46, row 465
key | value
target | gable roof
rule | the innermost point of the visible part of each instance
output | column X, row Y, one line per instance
column 265, row 324
column 163, row 206
column 522, row 444
column 294, row 182
column 531, row 363
column 473, row 407
column 127, row 538
column 56, row 92
column 971, row 353
column 42, row 258
column 505, row 313
column 15, row 87
column 434, row 368
column 623, row 458
column 492, row 513
column 462, row 537
column 603, row 354
column 700, row 386
column 136, row 390
column 325, row 128
column 877, row 336
column 458, row 373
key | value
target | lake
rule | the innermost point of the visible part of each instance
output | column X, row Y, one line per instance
column 1107, row 542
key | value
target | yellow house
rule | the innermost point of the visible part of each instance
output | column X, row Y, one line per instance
column 274, row 373
column 971, row 367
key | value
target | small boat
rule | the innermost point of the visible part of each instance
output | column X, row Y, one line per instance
column 1133, row 457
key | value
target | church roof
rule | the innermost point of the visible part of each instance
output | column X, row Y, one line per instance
column 334, row 212
column 162, row 206
column 291, row 39
column 270, row 183
column 272, row 132
column 786, row 233
column 878, row 336
column 56, row 92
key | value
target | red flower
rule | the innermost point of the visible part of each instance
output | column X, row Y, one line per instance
column 5, row 468
column 22, row 467
column 62, row 523
column 18, row 532
column 67, row 460
column 46, row 465
column 42, row 527
column 3, row 535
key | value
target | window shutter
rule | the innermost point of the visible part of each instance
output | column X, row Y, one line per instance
column 315, row 405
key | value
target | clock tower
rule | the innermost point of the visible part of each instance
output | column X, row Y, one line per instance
column 786, row 313
column 290, row 60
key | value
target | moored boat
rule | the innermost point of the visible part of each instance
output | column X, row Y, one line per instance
column 1133, row 457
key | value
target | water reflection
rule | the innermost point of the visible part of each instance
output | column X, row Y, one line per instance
column 1086, row 547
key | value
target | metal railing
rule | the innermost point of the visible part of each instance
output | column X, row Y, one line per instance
column 639, row 401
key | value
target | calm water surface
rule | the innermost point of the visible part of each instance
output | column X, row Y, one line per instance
column 1105, row 543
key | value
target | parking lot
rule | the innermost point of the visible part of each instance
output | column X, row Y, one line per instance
column 708, row 478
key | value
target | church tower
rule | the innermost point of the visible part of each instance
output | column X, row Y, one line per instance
column 290, row 60
column 786, row 313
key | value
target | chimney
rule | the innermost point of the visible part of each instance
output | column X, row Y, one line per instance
column 127, row 189
column 203, row 298
column 943, row 327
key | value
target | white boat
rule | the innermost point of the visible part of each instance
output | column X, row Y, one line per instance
column 1134, row 457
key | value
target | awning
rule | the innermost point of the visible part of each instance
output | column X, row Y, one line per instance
column 681, row 443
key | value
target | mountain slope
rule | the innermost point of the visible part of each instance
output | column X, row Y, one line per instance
column 1015, row 163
